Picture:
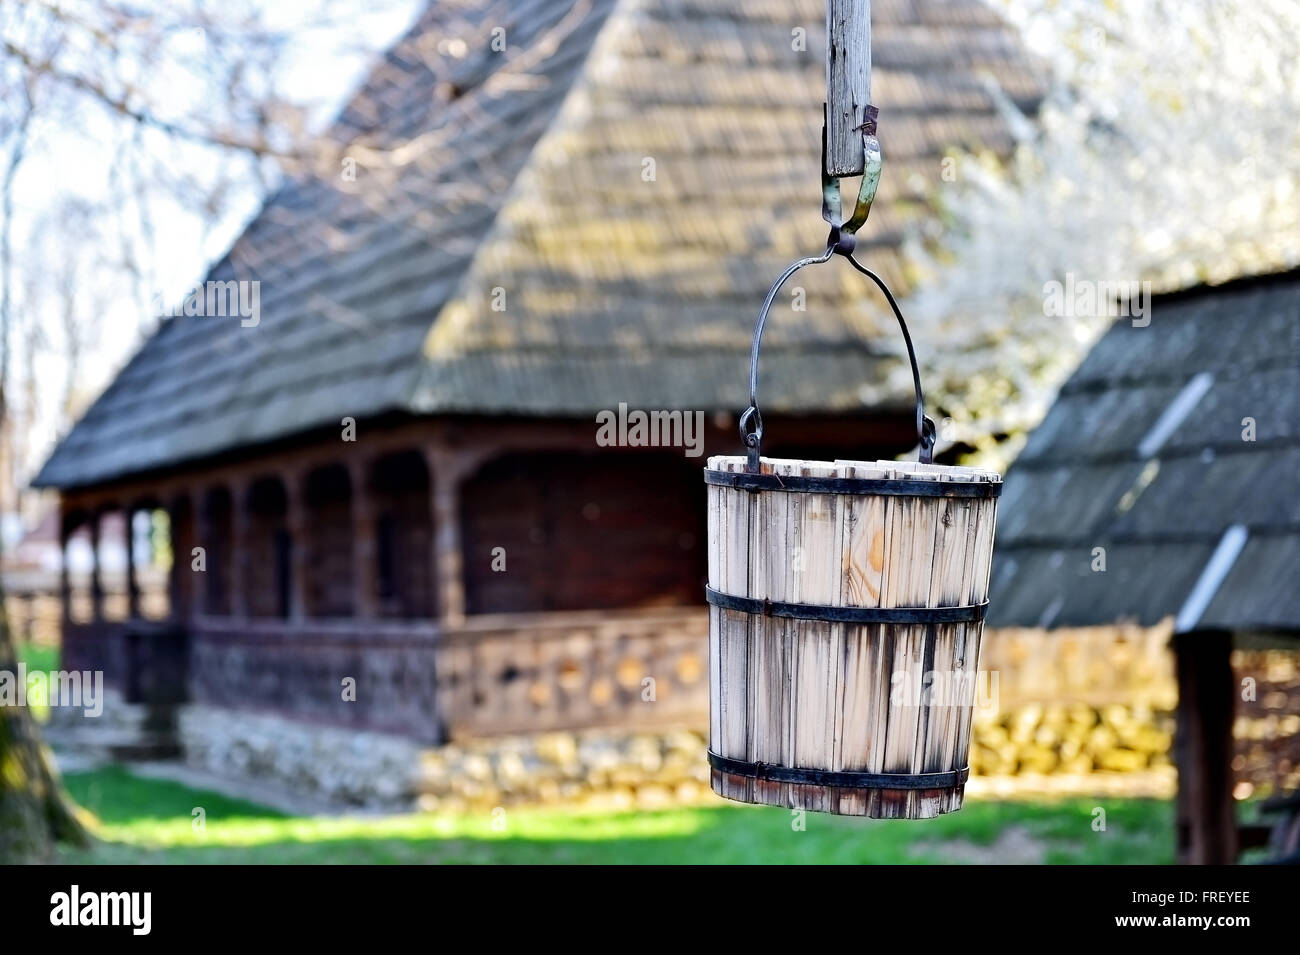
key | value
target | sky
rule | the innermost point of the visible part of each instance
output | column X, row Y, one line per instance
column 69, row 160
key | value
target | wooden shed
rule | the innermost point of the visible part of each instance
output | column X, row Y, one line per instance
column 394, row 472
column 1162, row 488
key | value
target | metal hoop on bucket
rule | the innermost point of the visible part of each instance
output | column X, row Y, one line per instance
column 841, row 241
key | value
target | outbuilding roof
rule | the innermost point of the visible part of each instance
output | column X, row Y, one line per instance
column 1174, row 454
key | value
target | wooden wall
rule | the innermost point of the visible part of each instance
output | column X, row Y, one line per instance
column 328, row 496
column 404, row 530
column 584, row 532
column 265, row 550
column 216, row 536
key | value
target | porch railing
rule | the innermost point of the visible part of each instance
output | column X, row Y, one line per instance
column 550, row 671
column 492, row 675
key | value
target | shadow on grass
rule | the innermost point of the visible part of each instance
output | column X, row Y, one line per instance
column 147, row 820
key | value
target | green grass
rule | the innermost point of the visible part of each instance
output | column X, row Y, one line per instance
column 40, row 658
column 147, row 820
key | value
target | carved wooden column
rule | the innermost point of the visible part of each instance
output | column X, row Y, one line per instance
column 96, row 582
column 179, row 591
column 65, row 576
column 132, row 583
column 174, row 611
column 365, row 547
column 199, row 529
column 446, row 471
column 295, row 523
column 449, row 467
column 239, row 562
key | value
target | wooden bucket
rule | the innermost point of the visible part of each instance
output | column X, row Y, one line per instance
column 847, row 603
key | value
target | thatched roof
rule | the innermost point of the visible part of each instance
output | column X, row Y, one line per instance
column 526, row 174
column 1143, row 454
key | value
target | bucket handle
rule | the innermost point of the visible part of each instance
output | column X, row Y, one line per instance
column 751, row 420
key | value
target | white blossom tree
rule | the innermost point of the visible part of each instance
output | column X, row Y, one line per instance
column 1167, row 151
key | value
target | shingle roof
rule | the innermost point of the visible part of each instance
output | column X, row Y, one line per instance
column 1095, row 474
column 525, row 174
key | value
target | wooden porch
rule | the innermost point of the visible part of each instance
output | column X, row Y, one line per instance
column 496, row 674
column 472, row 578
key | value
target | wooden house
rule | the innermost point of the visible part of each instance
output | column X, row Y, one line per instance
column 1160, row 490
column 391, row 472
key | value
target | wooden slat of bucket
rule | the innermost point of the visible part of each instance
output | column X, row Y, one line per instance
column 915, row 648
column 862, row 692
column 952, row 642
column 770, row 650
column 715, row 501
column 787, row 586
column 947, row 588
column 978, row 582
column 733, row 642
column 965, row 648
column 817, row 571
column 963, row 670
column 942, row 751
column 910, row 560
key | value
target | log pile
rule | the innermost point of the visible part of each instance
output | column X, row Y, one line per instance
column 1074, row 738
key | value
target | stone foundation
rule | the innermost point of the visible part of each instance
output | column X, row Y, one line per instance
column 348, row 768
column 122, row 732
column 1027, row 751
column 1081, row 742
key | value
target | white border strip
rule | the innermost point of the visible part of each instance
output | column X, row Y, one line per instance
column 1207, row 585
column 1173, row 416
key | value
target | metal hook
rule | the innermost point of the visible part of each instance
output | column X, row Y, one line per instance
column 841, row 241
column 842, row 237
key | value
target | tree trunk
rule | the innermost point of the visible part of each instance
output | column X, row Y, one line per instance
column 34, row 812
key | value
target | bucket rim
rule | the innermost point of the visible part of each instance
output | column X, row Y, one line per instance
column 887, row 487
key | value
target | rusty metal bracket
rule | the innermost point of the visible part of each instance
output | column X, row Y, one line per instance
column 842, row 237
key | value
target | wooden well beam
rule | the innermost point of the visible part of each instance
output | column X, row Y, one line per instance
column 1207, row 690
column 848, row 84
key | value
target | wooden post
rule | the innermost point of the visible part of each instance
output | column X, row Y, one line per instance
column 239, row 563
column 848, row 84
column 446, row 471
column 295, row 522
column 199, row 528
column 1207, row 692
column 132, row 584
column 181, row 578
column 96, row 582
column 65, row 577
column 364, row 544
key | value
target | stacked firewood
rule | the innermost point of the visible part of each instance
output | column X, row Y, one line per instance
column 1267, row 728
column 1074, row 738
